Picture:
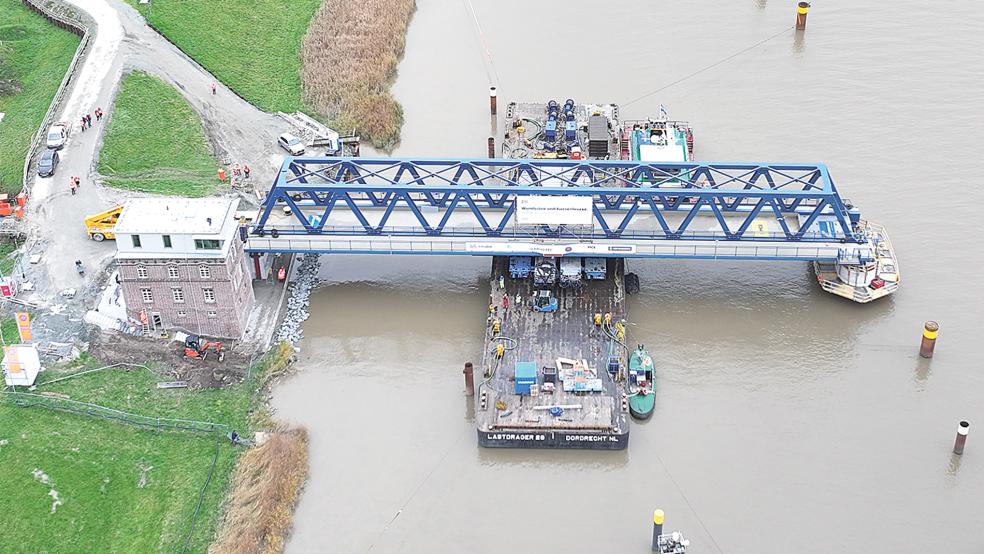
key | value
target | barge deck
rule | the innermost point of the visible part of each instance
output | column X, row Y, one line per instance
column 594, row 419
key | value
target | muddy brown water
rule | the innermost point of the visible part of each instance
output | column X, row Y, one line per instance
column 787, row 420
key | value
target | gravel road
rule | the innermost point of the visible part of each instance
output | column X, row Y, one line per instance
column 122, row 42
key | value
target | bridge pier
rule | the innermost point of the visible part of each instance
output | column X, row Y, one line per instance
column 256, row 265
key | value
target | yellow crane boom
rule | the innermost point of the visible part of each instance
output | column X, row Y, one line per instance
column 100, row 226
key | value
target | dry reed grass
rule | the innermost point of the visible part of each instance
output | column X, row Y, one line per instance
column 349, row 58
column 264, row 491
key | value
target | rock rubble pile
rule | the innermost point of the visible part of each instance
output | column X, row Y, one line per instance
column 299, row 301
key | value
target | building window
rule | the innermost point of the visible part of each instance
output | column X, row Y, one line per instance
column 182, row 313
column 172, row 271
column 142, row 271
column 136, row 240
column 209, row 294
column 147, row 295
column 204, row 272
column 178, row 294
column 208, row 244
column 167, row 240
column 213, row 314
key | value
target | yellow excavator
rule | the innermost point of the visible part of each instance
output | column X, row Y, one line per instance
column 100, row 226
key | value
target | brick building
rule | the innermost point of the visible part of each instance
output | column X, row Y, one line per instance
column 182, row 265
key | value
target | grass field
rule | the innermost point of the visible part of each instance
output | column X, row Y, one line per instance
column 7, row 261
column 155, row 142
column 253, row 47
column 34, row 55
column 120, row 489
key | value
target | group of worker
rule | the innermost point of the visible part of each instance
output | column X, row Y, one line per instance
column 237, row 171
column 494, row 309
column 86, row 118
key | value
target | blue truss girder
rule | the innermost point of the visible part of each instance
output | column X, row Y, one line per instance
column 618, row 173
column 621, row 191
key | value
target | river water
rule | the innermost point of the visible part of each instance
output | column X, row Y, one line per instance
column 788, row 420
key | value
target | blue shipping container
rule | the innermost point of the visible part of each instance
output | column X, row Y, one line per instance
column 525, row 377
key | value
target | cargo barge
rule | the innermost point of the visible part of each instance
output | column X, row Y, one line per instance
column 550, row 374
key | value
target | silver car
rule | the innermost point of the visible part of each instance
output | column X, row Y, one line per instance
column 291, row 144
column 57, row 134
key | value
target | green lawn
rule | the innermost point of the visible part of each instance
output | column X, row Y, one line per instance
column 96, row 467
column 8, row 329
column 7, row 260
column 253, row 47
column 121, row 489
column 155, row 142
column 35, row 55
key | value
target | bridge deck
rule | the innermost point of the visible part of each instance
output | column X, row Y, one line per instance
column 403, row 235
column 447, row 245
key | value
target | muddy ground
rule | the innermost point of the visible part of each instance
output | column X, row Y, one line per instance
column 168, row 359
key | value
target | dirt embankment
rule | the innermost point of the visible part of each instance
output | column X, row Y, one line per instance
column 169, row 357
column 349, row 58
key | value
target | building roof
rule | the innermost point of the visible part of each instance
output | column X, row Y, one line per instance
column 197, row 216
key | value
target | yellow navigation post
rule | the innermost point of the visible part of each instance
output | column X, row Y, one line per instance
column 802, row 9
column 930, row 331
column 657, row 528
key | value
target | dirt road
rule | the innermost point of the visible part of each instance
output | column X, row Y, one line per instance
column 122, row 42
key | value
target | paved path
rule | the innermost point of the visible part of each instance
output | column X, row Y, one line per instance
column 238, row 132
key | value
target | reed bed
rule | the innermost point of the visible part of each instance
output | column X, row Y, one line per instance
column 265, row 488
column 348, row 62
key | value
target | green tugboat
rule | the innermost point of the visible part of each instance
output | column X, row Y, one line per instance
column 641, row 384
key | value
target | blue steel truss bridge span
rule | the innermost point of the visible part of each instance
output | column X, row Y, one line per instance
column 587, row 208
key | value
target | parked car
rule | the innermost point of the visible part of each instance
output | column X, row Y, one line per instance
column 291, row 144
column 48, row 163
column 57, row 134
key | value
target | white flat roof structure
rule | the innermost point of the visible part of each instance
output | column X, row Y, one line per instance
column 176, row 228
column 195, row 216
column 674, row 150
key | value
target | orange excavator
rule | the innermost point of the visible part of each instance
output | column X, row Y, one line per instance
column 197, row 347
